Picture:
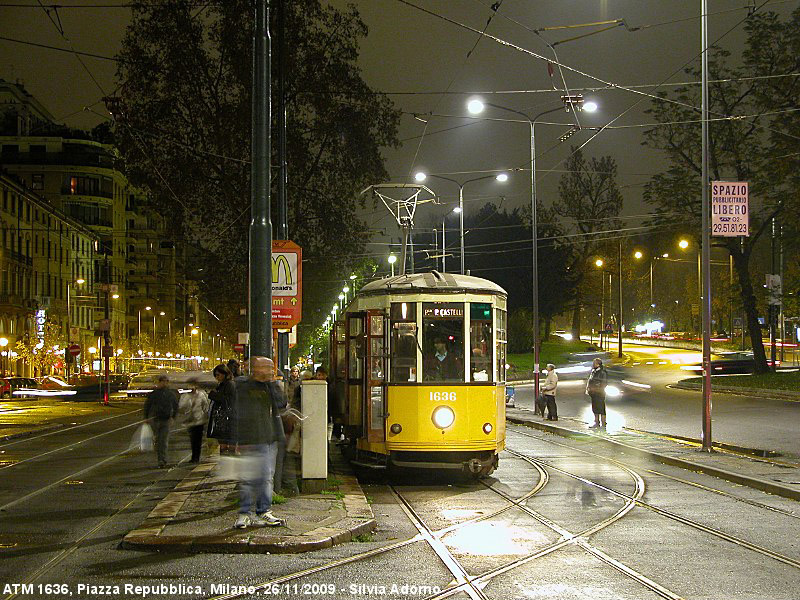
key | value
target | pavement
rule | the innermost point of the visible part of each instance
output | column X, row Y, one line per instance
column 750, row 467
column 198, row 516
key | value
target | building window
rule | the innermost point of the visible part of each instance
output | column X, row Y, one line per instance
column 37, row 180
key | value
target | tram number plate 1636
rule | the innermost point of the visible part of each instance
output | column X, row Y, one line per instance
column 442, row 396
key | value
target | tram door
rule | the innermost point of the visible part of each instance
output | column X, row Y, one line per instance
column 375, row 377
column 356, row 373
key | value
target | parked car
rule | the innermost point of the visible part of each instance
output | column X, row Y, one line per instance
column 23, row 387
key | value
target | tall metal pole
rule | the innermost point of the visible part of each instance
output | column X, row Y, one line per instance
column 444, row 267
column 619, row 321
column 535, row 267
column 651, row 286
column 461, row 222
column 107, row 337
column 283, row 204
column 773, row 309
column 706, row 238
column 260, row 312
column 68, row 358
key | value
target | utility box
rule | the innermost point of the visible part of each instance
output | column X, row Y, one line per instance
column 314, row 432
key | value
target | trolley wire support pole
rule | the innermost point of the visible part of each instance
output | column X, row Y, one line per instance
column 619, row 321
column 260, row 301
column 705, row 236
column 283, row 203
column 107, row 337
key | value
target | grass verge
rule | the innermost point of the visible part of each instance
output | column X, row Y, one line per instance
column 554, row 351
column 785, row 381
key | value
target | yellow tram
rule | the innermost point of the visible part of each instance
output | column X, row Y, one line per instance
column 418, row 369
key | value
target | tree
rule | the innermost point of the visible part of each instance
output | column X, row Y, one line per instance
column 739, row 150
column 39, row 353
column 590, row 197
column 184, row 131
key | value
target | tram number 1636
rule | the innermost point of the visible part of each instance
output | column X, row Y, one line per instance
column 442, row 396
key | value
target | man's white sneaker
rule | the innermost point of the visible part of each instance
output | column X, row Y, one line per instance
column 268, row 519
column 242, row 521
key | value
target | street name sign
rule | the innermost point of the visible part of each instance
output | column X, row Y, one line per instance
column 287, row 284
column 730, row 215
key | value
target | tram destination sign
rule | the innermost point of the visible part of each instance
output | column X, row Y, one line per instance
column 442, row 310
column 730, row 216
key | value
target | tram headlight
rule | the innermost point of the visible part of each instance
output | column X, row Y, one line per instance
column 396, row 428
column 487, row 428
column 443, row 417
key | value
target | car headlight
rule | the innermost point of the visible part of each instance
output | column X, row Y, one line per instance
column 443, row 417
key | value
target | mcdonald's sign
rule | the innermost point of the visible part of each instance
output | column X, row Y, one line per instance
column 287, row 284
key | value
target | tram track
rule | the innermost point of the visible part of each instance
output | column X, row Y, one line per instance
column 660, row 511
column 76, row 544
column 289, row 577
column 64, row 429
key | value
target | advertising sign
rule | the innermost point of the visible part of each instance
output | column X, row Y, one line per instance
column 287, row 284
column 730, row 216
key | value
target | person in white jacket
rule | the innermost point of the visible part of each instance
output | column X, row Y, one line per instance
column 193, row 407
column 549, row 392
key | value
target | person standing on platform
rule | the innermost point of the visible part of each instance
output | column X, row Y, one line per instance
column 259, row 402
column 222, row 418
column 160, row 407
column 596, row 389
column 549, row 392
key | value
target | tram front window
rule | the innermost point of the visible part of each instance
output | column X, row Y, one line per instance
column 442, row 341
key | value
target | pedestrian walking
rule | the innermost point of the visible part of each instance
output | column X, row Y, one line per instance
column 160, row 407
column 259, row 401
column 222, row 417
column 292, row 383
column 549, row 392
column 596, row 389
column 193, row 406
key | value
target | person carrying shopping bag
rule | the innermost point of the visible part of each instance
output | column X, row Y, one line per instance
column 193, row 407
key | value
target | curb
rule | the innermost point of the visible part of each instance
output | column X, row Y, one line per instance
column 741, row 391
column 30, row 432
column 359, row 520
column 753, row 482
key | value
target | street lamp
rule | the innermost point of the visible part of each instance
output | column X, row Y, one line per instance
column 3, row 344
column 139, row 336
column 476, row 106
column 501, row 177
column 683, row 244
column 456, row 210
column 392, row 259
column 79, row 281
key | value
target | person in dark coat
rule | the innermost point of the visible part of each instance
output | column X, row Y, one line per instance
column 596, row 389
column 222, row 416
column 259, row 402
column 233, row 366
column 160, row 407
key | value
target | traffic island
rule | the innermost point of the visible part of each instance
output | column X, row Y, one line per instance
column 198, row 516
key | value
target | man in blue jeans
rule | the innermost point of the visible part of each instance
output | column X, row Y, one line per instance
column 259, row 401
column 160, row 407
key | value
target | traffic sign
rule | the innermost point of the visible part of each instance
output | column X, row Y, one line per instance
column 108, row 350
column 729, row 209
column 239, row 348
column 74, row 349
column 287, row 284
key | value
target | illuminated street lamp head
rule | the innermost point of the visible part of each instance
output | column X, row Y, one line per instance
column 147, row 308
column 392, row 259
column 115, row 296
column 589, row 106
column 341, row 296
column 195, row 331
column 353, row 276
column 3, row 342
column 665, row 255
column 475, row 106
column 457, row 209
column 683, row 244
column 346, row 289
column 502, row 177
column 638, row 254
column 80, row 281
column 598, row 262
column 420, row 176
column 162, row 313
column 92, row 350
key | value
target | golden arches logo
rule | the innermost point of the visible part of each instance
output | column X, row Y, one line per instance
column 277, row 262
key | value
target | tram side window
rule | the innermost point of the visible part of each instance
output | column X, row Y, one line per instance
column 443, row 341
column 356, row 345
column 404, row 342
column 500, row 317
column 480, row 341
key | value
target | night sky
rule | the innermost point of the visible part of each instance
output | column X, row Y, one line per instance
column 423, row 56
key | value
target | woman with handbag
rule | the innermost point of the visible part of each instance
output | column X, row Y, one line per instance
column 221, row 414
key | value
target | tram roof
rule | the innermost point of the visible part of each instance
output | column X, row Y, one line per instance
column 432, row 281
